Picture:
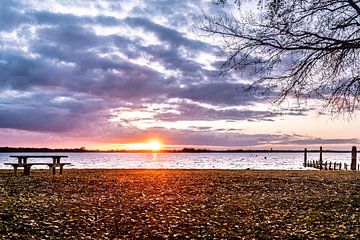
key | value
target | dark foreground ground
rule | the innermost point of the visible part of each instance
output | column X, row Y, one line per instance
column 180, row 204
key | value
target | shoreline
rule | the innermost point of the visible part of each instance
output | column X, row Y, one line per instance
column 180, row 204
column 184, row 150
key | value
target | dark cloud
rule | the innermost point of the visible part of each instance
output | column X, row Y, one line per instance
column 222, row 93
column 70, row 58
column 189, row 71
column 168, row 35
column 129, row 82
column 49, row 112
column 70, row 36
column 188, row 111
column 320, row 141
column 50, row 18
column 10, row 15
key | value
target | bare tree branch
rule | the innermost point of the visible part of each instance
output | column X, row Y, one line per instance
column 299, row 48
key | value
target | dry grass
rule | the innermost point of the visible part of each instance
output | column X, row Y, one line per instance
column 180, row 204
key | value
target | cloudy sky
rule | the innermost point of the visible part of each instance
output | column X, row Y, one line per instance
column 101, row 74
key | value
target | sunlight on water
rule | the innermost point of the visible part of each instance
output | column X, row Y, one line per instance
column 187, row 160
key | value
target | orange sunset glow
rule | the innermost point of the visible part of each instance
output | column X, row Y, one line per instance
column 152, row 145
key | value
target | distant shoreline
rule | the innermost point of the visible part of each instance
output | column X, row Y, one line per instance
column 184, row 150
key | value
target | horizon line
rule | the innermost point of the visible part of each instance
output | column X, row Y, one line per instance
column 184, row 150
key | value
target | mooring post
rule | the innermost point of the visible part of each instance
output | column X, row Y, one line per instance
column 353, row 158
column 320, row 160
column 305, row 157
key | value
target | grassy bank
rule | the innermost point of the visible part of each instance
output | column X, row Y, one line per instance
column 180, row 204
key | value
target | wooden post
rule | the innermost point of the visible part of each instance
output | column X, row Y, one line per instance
column 353, row 158
column 320, row 160
column 305, row 157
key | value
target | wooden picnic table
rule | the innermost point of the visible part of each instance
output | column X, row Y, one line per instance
column 22, row 162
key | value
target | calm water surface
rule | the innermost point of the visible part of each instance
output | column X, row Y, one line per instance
column 185, row 160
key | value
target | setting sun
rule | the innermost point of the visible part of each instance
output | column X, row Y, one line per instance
column 153, row 145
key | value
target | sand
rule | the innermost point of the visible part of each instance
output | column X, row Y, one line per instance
column 180, row 204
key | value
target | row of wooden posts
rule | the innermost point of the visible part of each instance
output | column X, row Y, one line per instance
column 332, row 166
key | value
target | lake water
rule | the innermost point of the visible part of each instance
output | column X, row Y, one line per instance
column 185, row 160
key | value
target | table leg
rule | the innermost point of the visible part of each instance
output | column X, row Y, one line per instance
column 52, row 169
column 15, row 170
column 61, row 169
column 28, row 170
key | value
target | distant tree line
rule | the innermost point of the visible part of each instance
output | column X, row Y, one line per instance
column 25, row 149
column 184, row 150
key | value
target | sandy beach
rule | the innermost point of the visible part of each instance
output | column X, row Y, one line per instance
column 180, row 204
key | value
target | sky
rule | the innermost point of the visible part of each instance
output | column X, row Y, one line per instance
column 104, row 74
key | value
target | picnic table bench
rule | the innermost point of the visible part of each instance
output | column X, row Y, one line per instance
column 22, row 162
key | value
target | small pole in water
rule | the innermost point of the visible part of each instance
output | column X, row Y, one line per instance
column 305, row 157
column 353, row 158
column 320, row 160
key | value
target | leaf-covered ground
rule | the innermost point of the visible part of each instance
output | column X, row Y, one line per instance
column 180, row 204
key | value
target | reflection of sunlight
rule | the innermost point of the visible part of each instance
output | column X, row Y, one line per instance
column 154, row 157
